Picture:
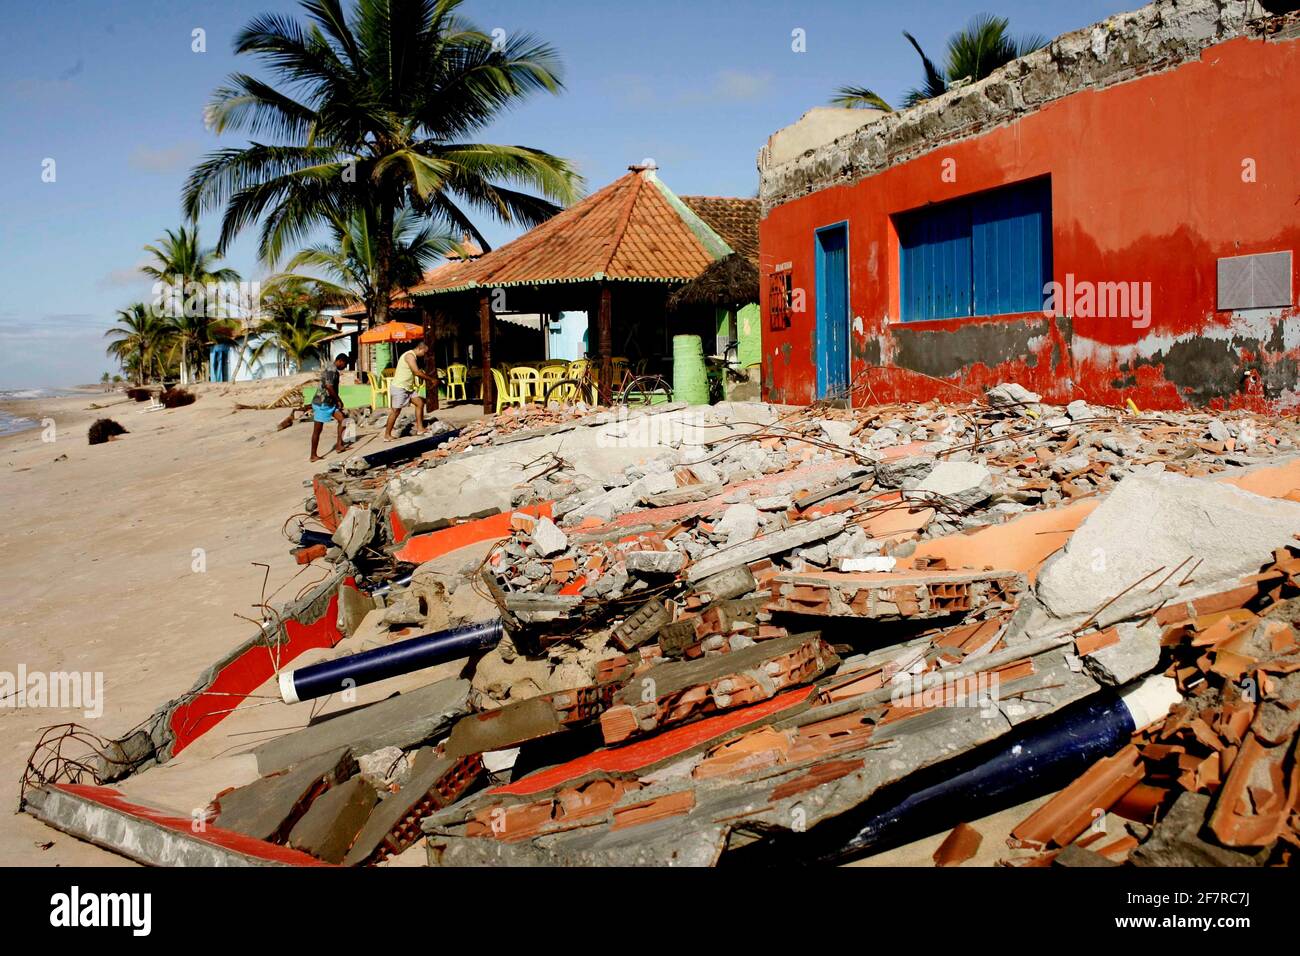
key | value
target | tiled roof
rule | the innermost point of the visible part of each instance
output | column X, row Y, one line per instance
column 398, row 301
column 634, row 229
column 735, row 220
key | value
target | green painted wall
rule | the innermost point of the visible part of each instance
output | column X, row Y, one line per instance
column 750, row 335
column 749, row 350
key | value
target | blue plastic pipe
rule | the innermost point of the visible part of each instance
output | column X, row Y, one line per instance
column 308, row 538
column 408, row 450
column 327, row 677
column 1039, row 757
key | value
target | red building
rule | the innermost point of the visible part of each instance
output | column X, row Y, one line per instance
column 1112, row 217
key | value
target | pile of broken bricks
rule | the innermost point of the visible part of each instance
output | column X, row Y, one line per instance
column 727, row 644
column 1216, row 782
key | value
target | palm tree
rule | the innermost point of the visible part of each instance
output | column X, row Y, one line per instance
column 348, row 260
column 973, row 53
column 373, row 109
column 139, row 339
column 291, row 325
column 187, row 269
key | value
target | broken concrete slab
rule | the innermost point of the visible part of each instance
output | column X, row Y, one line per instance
column 954, row 485
column 1179, row 839
column 403, row 721
column 355, row 531
column 268, row 808
column 515, row 723
column 654, row 562
column 893, row 595
column 681, row 691
column 334, row 819
column 435, row 782
column 1136, row 652
column 354, row 605
column 148, row 835
column 548, row 539
column 384, row 767
column 1157, row 539
column 1012, row 394
column 787, row 539
column 738, row 524
column 901, row 472
column 725, row 585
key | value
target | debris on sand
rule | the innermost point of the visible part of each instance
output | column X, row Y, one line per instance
column 715, row 628
column 105, row 430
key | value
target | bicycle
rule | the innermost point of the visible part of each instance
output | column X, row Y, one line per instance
column 634, row 389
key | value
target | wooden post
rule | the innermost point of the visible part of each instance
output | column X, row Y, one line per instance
column 604, row 336
column 430, row 359
column 485, row 351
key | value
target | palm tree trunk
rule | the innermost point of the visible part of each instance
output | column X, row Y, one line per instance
column 383, row 264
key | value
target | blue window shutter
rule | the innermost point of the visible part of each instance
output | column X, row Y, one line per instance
column 936, row 262
column 988, row 254
column 1011, row 248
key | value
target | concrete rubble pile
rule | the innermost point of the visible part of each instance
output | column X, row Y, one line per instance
column 754, row 633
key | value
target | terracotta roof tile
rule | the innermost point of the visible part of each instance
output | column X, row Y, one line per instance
column 735, row 220
column 635, row 228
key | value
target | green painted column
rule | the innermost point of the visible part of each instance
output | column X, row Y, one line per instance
column 750, row 335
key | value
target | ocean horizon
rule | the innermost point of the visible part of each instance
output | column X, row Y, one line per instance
column 11, row 423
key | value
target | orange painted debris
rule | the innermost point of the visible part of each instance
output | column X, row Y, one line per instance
column 958, row 846
column 669, row 805
column 1092, row 643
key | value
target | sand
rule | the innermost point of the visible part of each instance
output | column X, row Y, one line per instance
column 97, row 557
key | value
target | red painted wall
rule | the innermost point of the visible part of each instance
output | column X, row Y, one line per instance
column 1147, row 186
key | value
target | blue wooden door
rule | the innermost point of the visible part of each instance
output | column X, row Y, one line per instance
column 832, row 311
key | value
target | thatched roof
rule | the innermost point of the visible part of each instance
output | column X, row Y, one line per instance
column 729, row 283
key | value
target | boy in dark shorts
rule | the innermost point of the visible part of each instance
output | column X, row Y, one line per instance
column 326, row 404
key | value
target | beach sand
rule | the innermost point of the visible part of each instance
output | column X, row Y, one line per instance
column 98, row 554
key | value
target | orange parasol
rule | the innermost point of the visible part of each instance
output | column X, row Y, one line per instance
column 393, row 332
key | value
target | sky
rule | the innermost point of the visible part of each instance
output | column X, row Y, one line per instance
column 112, row 91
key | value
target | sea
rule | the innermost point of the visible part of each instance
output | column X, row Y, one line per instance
column 9, row 422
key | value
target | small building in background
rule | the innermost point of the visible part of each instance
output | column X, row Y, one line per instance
column 612, row 259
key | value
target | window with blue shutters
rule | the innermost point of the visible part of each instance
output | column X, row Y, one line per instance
column 986, row 254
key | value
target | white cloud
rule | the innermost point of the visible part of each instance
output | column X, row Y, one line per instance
column 741, row 85
column 165, row 159
column 123, row 278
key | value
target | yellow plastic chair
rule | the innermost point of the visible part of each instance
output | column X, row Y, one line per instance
column 621, row 366
column 587, row 371
column 547, row 377
column 457, row 376
column 378, row 391
column 523, row 379
column 505, row 394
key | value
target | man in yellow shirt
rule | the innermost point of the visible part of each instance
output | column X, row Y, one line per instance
column 404, row 389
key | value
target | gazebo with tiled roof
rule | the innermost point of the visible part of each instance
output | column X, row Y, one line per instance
column 631, row 233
